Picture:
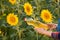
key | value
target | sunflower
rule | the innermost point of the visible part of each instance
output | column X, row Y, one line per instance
column 0, row 31
column 12, row 1
column 46, row 16
column 12, row 19
column 28, row 9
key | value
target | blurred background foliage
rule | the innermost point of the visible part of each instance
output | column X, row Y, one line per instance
column 24, row 31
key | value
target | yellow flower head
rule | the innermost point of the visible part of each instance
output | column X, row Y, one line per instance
column 12, row 19
column 46, row 16
column 0, row 31
column 28, row 9
column 12, row 1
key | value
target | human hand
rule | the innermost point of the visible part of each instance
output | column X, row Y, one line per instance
column 52, row 26
column 42, row 31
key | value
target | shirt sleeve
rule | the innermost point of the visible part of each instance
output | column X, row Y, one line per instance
column 55, row 35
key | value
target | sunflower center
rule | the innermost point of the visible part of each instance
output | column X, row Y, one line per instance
column 12, row 19
column 46, row 16
column 28, row 9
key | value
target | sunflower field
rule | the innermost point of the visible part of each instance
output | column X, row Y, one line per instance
column 16, row 18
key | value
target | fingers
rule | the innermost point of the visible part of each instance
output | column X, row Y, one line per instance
column 39, row 30
column 52, row 26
